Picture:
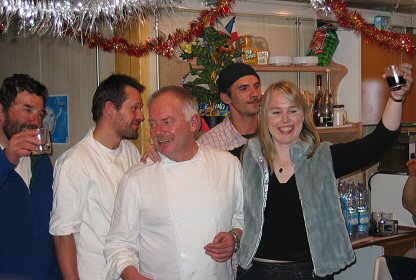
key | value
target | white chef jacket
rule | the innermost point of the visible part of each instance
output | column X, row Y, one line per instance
column 86, row 178
column 165, row 213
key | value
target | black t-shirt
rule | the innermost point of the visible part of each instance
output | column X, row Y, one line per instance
column 284, row 234
column 237, row 151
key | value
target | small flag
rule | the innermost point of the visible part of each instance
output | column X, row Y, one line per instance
column 232, row 29
column 221, row 28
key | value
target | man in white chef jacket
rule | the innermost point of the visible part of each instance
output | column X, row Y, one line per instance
column 87, row 176
column 180, row 218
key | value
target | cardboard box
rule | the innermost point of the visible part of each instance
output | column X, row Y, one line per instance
column 382, row 23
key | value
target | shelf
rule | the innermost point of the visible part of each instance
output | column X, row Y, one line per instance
column 341, row 134
column 350, row 127
column 394, row 245
column 334, row 67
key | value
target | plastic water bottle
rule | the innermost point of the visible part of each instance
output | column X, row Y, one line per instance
column 342, row 187
column 352, row 203
column 363, row 210
column 343, row 194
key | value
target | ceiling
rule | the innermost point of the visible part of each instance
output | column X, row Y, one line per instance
column 399, row 6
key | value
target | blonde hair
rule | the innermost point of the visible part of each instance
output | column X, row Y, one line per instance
column 309, row 134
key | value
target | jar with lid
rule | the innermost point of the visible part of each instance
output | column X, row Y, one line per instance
column 249, row 51
column 340, row 115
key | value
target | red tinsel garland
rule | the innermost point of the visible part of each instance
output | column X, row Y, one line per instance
column 354, row 20
column 160, row 46
column 348, row 19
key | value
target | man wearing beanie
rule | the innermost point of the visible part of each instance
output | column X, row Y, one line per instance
column 240, row 88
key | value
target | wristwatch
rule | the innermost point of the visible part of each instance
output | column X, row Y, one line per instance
column 236, row 241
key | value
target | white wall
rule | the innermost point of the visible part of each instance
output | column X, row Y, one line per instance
column 64, row 68
column 348, row 53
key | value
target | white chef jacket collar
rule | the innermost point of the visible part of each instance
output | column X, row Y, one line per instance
column 168, row 162
column 103, row 149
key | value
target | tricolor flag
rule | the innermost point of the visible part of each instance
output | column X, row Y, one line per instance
column 232, row 29
column 221, row 28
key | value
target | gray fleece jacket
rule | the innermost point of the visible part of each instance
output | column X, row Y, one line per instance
column 328, row 239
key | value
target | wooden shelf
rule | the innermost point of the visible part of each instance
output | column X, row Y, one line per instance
column 341, row 134
column 337, row 72
column 334, row 67
column 394, row 245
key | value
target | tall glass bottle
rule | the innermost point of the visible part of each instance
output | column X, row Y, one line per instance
column 327, row 107
column 318, row 100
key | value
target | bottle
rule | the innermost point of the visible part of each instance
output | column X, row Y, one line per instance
column 340, row 115
column 343, row 194
column 363, row 210
column 342, row 187
column 326, row 109
column 352, row 208
column 318, row 100
column 309, row 99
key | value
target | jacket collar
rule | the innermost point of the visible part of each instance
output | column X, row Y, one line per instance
column 299, row 151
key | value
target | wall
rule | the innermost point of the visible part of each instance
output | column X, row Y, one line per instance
column 65, row 68
column 348, row 53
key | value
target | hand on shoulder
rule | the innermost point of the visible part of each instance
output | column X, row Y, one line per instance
column 151, row 154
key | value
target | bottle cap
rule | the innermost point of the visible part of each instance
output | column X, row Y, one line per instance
column 339, row 106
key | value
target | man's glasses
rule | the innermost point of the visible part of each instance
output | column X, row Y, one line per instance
column 30, row 110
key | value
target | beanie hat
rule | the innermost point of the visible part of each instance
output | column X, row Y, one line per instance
column 232, row 73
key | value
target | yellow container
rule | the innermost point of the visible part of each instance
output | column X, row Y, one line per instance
column 249, row 52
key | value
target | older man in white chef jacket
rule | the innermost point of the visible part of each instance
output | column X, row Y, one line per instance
column 180, row 218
